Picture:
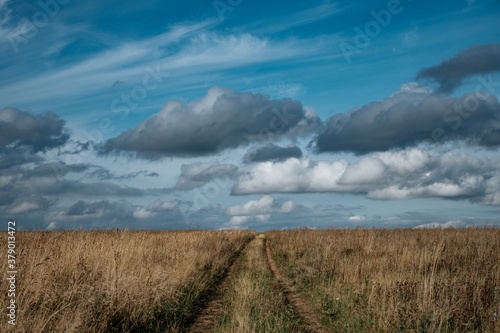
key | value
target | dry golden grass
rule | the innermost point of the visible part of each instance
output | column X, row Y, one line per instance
column 115, row 280
column 396, row 280
column 254, row 301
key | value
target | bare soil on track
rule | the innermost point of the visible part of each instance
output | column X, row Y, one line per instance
column 205, row 320
column 306, row 313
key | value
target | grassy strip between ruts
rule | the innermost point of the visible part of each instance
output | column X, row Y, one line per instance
column 396, row 280
column 255, row 301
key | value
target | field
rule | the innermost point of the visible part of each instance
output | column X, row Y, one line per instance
column 444, row 280
column 116, row 280
column 336, row 280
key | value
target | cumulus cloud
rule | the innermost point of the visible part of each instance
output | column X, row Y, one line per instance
column 445, row 225
column 270, row 152
column 263, row 206
column 30, row 185
column 238, row 221
column 258, row 211
column 26, row 187
column 220, row 120
column 28, row 204
column 155, row 208
column 198, row 174
column 290, row 176
column 450, row 73
column 405, row 174
column 21, row 130
column 411, row 116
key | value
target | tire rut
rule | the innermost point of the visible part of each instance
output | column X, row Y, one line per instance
column 309, row 317
column 205, row 319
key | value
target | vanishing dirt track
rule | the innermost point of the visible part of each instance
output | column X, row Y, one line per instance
column 303, row 310
column 205, row 320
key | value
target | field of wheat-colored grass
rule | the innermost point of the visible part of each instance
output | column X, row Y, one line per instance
column 441, row 280
column 396, row 280
column 115, row 280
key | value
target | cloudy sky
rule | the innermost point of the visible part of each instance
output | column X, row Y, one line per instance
column 249, row 114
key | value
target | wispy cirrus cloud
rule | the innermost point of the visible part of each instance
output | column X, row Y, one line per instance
column 5, row 16
column 192, row 49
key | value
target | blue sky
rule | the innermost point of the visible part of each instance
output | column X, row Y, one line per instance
column 260, row 115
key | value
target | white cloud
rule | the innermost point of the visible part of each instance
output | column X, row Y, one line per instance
column 52, row 226
column 290, row 176
column 199, row 52
column 445, row 225
column 265, row 205
column 155, row 208
column 24, row 207
column 4, row 19
column 239, row 220
column 406, row 174
column 257, row 211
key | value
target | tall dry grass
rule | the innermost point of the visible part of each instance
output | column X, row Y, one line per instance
column 254, row 301
column 396, row 280
column 115, row 280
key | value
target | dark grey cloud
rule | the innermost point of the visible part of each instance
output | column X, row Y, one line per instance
column 22, row 130
column 51, row 181
column 222, row 119
column 450, row 73
column 90, row 208
column 51, row 169
column 412, row 116
column 198, row 174
column 106, row 174
column 72, row 188
column 271, row 152
column 119, row 214
column 77, row 147
column 10, row 158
